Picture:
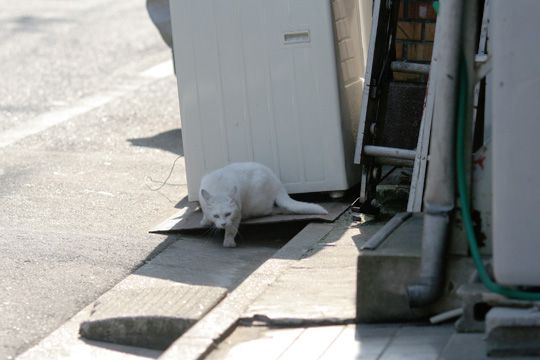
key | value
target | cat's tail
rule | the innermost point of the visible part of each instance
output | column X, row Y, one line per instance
column 284, row 202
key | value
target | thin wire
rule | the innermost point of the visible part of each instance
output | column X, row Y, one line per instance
column 387, row 174
column 164, row 181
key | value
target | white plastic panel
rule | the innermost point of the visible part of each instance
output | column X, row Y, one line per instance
column 516, row 130
column 258, row 82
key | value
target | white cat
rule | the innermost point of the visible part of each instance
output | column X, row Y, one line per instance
column 245, row 190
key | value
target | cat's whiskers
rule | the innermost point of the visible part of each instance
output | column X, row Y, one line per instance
column 212, row 231
column 240, row 235
column 208, row 231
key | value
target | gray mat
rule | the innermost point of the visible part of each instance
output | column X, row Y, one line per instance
column 189, row 217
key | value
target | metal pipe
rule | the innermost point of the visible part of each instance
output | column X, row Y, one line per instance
column 394, row 162
column 445, row 316
column 439, row 196
column 427, row 288
column 383, row 151
column 408, row 67
column 385, row 231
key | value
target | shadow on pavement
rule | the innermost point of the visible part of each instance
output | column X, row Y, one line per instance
column 159, row 13
column 169, row 141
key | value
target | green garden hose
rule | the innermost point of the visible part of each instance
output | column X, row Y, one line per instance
column 436, row 6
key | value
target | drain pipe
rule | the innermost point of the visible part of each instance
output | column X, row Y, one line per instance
column 439, row 196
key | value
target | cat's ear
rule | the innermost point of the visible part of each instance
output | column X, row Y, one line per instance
column 233, row 192
column 206, row 195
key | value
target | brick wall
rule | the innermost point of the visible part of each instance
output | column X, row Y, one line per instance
column 414, row 35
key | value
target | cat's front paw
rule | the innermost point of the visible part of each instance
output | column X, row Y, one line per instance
column 228, row 243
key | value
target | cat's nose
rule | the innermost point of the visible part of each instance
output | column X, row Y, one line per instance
column 223, row 224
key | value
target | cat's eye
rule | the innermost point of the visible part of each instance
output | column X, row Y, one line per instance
column 216, row 216
column 227, row 214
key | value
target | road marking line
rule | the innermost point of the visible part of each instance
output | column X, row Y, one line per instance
column 159, row 71
column 44, row 121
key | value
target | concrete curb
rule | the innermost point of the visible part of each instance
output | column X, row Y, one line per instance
column 150, row 317
column 206, row 333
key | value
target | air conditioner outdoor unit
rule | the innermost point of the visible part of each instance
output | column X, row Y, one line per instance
column 516, row 126
column 273, row 81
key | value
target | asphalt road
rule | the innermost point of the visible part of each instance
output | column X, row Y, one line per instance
column 85, row 116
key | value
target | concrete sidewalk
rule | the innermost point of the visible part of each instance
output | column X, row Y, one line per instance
column 308, row 310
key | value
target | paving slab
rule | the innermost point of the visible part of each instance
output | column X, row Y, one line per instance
column 465, row 346
column 353, row 341
column 244, row 342
column 150, row 317
column 320, row 288
column 363, row 342
column 418, row 343
column 471, row 346
column 326, row 342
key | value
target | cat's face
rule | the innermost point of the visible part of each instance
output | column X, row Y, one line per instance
column 220, row 209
